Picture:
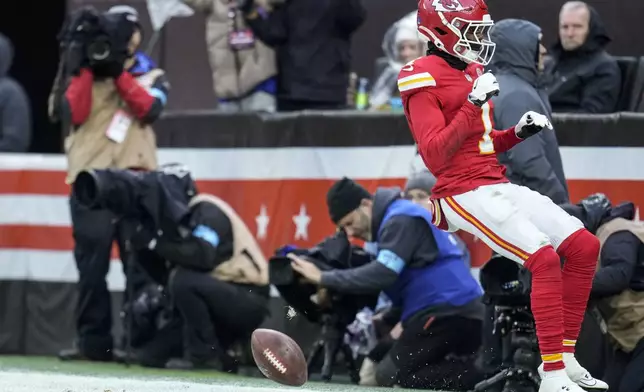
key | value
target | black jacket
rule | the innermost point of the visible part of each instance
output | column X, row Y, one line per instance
column 588, row 79
column 313, row 43
column 622, row 255
column 536, row 162
column 621, row 259
column 196, row 253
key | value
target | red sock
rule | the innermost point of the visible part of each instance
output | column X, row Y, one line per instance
column 546, row 305
column 580, row 251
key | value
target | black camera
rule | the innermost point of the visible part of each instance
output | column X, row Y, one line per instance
column 511, row 351
column 96, row 38
column 157, row 199
column 337, row 311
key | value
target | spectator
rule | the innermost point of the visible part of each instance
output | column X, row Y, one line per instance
column 584, row 78
column 517, row 64
column 15, row 113
column 313, row 43
column 110, row 106
column 243, row 68
column 401, row 45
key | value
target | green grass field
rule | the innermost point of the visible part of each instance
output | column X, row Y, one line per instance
column 45, row 374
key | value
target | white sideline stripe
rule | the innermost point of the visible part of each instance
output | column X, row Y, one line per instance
column 30, row 381
column 582, row 163
column 56, row 267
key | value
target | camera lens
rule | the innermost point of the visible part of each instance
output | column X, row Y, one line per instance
column 99, row 50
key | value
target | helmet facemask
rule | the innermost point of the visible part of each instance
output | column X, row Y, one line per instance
column 474, row 44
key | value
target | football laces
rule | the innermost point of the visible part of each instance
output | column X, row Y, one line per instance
column 274, row 361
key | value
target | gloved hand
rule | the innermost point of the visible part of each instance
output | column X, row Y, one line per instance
column 485, row 87
column 530, row 124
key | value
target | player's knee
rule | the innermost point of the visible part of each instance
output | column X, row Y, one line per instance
column 581, row 247
column 545, row 261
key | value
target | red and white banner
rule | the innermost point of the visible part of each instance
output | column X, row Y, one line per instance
column 279, row 192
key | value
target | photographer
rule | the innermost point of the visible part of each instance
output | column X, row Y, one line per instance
column 196, row 248
column 114, row 94
column 617, row 290
column 218, row 279
column 422, row 270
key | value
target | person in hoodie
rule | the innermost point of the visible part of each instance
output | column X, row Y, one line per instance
column 421, row 269
column 618, row 286
column 583, row 77
column 15, row 111
column 517, row 64
column 401, row 45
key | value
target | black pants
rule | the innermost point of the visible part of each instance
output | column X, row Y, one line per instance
column 438, row 353
column 94, row 233
column 215, row 313
column 624, row 372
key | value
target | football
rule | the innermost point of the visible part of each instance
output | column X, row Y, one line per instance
column 278, row 357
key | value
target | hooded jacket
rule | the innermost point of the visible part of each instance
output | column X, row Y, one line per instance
column 386, row 83
column 15, row 112
column 585, row 80
column 536, row 162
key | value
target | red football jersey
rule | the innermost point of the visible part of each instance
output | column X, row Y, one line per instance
column 455, row 138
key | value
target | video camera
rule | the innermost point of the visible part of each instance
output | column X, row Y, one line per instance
column 513, row 350
column 333, row 310
column 157, row 199
column 96, row 38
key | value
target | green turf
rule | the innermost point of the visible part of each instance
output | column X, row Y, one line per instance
column 48, row 364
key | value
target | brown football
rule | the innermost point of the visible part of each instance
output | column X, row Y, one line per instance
column 278, row 357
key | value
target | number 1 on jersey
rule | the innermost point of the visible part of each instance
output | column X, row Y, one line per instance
column 486, row 145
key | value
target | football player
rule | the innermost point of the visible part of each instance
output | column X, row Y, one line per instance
column 446, row 100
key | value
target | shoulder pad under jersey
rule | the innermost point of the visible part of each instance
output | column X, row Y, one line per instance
column 415, row 76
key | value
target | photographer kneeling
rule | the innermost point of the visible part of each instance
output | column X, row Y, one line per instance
column 106, row 96
column 219, row 282
column 198, row 247
column 422, row 270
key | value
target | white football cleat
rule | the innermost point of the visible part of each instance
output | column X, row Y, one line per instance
column 557, row 381
column 581, row 376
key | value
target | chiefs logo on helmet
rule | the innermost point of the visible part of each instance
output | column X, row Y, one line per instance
column 447, row 5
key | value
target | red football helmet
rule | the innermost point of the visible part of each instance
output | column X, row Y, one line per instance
column 458, row 27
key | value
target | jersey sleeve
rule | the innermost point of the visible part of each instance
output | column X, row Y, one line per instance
column 437, row 140
column 410, row 82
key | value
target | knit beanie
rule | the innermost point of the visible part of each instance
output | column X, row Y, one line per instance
column 343, row 197
column 423, row 180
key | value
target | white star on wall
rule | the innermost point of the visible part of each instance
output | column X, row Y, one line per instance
column 637, row 214
column 302, row 221
column 262, row 220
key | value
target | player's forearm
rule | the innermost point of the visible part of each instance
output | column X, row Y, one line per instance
column 439, row 146
column 504, row 140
